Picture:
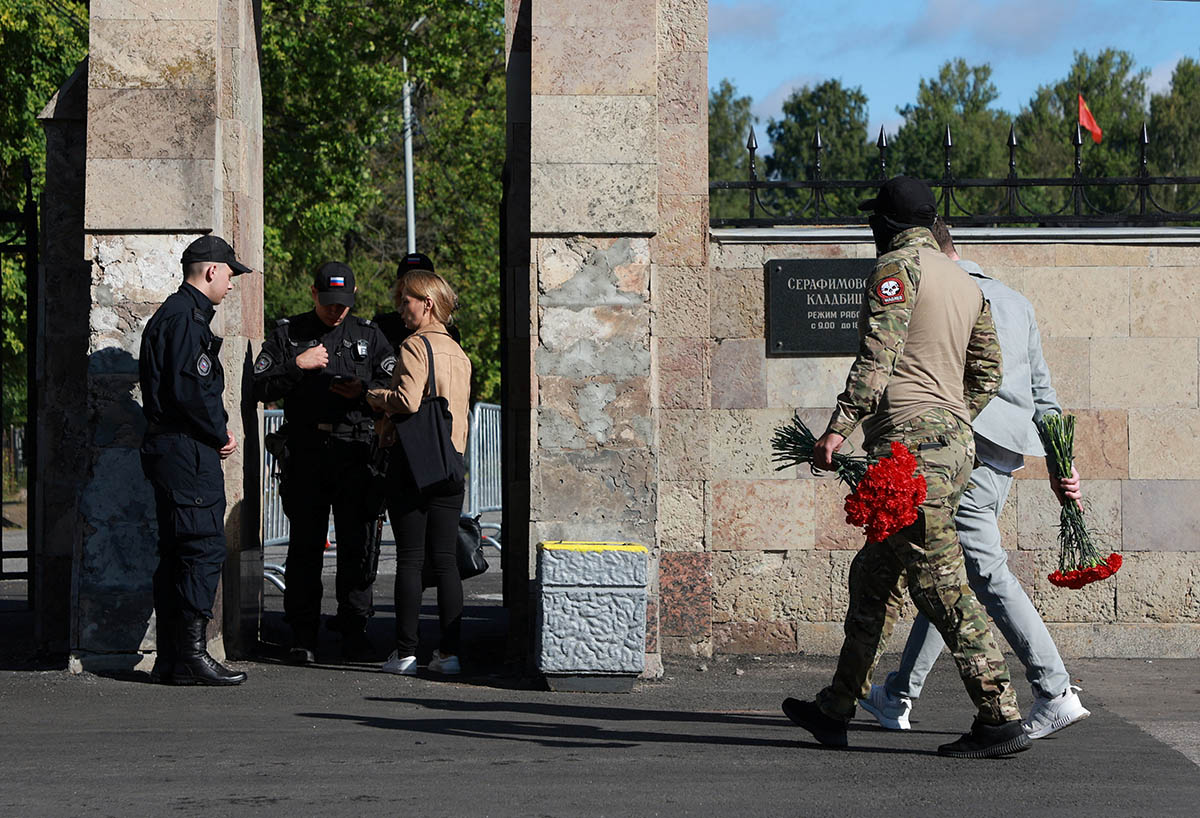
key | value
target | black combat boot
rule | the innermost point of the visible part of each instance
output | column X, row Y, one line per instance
column 193, row 665
column 829, row 731
column 988, row 741
column 163, row 671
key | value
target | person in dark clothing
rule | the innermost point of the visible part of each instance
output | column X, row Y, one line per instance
column 186, row 439
column 321, row 363
column 391, row 323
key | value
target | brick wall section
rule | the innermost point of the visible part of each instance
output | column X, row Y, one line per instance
column 1119, row 326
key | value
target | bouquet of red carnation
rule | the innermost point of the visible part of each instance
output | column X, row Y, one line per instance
column 1079, row 561
column 885, row 494
column 887, row 498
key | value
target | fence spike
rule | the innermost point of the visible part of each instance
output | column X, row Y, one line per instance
column 817, row 143
column 881, row 142
column 751, row 143
column 1077, row 138
column 1012, row 135
column 949, row 141
column 1145, row 134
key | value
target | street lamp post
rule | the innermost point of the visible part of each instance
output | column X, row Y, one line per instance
column 409, row 208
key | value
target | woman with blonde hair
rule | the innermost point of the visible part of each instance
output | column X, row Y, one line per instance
column 425, row 522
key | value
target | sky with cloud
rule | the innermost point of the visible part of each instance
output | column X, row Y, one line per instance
column 767, row 48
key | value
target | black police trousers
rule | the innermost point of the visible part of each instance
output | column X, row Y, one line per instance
column 189, row 502
column 323, row 472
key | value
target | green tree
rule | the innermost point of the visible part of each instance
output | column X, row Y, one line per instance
column 729, row 123
column 1115, row 91
column 333, row 151
column 41, row 42
column 1174, row 131
column 840, row 114
column 959, row 98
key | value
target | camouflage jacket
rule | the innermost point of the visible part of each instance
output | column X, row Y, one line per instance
column 883, row 329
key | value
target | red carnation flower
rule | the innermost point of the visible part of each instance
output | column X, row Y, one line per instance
column 887, row 498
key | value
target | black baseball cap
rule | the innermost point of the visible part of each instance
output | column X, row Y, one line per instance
column 213, row 248
column 904, row 200
column 335, row 284
column 414, row 261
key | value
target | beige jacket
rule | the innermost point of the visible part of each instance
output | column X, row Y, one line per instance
column 452, row 373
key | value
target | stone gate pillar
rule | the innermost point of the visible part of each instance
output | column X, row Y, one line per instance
column 173, row 151
column 606, row 288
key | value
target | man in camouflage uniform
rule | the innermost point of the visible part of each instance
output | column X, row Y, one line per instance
column 928, row 362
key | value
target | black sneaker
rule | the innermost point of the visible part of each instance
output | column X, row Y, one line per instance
column 830, row 732
column 988, row 741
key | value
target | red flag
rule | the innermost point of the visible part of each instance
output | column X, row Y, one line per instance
column 1086, row 120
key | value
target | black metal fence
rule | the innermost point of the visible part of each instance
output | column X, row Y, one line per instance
column 1069, row 201
column 24, row 242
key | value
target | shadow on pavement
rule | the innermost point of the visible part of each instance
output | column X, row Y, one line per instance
column 559, row 734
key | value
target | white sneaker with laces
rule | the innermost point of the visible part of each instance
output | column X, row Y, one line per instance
column 400, row 665
column 1049, row 715
column 890, row 710
column 445, row 665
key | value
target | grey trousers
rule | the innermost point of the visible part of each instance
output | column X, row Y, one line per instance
column 1002, row 596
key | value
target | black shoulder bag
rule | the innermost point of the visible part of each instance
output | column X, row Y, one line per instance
column 424, row 442
column 468, row 552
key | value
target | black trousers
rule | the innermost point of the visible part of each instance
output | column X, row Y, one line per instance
column 323, row 473
column 426, row 529
column 189, row 503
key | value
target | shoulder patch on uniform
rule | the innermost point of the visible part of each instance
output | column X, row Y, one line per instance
column 366, row 322
column 263, row 363
column 204, row 364
column 890, row 290
column 389, row 364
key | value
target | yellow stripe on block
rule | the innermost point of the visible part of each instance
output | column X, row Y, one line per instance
column 560, row 545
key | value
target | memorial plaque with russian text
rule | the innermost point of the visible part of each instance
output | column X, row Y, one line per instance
column 813, row 305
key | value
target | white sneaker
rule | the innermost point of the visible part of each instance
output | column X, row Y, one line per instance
column 447, row 666
column 890, row 710
column 401, row 666
column 1049, row 715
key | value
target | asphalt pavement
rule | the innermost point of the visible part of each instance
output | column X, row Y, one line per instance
column 708, row 738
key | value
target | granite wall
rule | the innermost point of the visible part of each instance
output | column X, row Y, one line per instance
column 1119, row 324
column 613, row 216
column 169, row 111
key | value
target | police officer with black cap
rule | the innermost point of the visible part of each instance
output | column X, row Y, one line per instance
column 321, row 363
column 186, row 440
column 390, row 322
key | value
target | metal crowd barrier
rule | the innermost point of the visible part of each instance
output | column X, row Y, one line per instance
column 483, row 459
column 275, row 522
column 483, row 468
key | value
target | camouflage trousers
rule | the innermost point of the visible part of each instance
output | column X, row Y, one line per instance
column 925, row 558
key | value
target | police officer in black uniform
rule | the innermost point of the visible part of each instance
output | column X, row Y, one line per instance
column 186, row 440
column 390, row 322
column 321, row 363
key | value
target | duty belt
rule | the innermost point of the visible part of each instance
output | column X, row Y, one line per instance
column 340, row 429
